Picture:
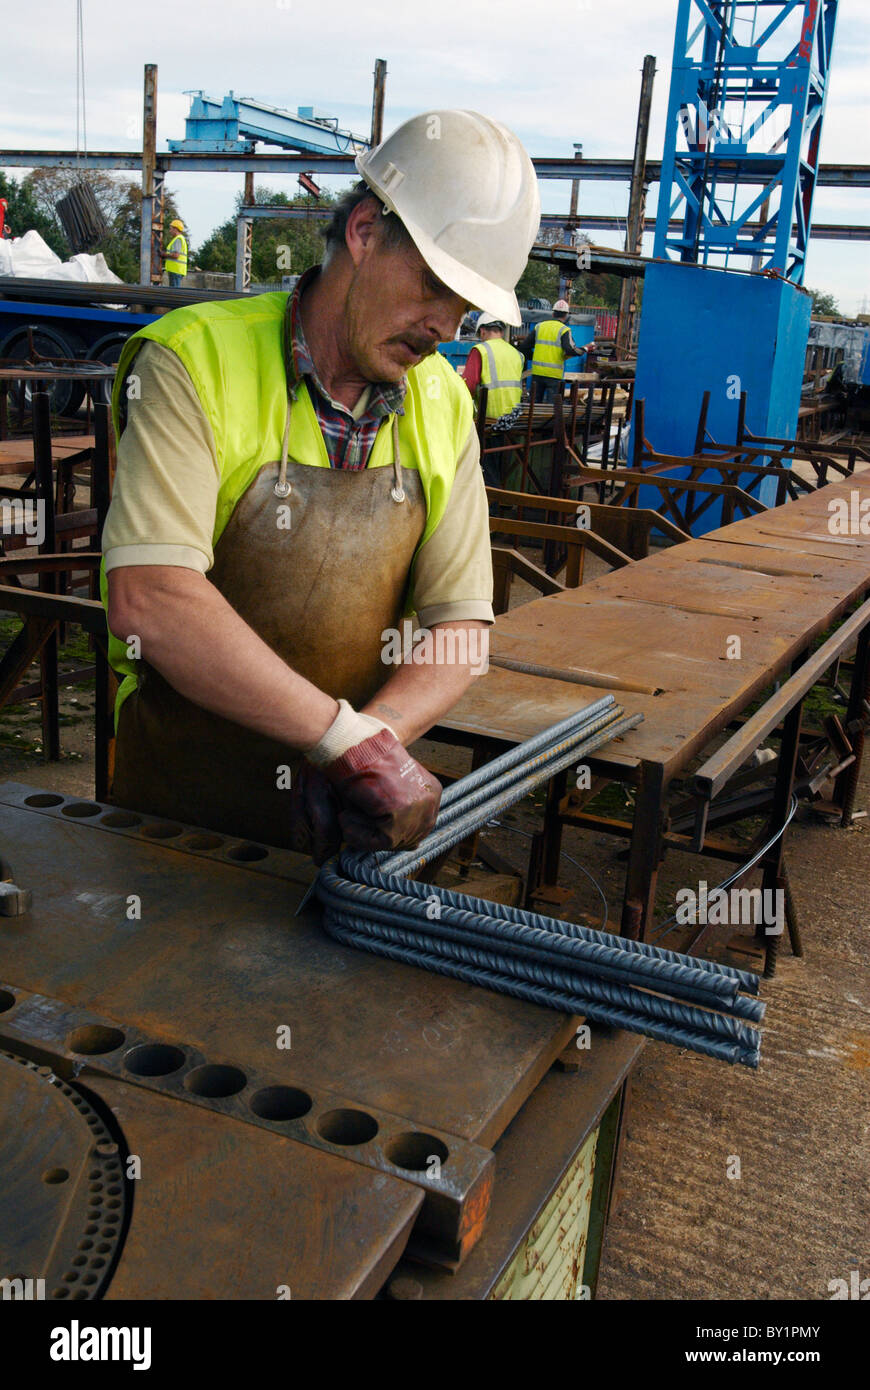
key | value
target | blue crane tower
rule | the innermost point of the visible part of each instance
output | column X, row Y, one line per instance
column 723, row 308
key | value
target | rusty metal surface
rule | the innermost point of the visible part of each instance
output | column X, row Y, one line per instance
column 663, row 624
column 227, row 1211
column 532, row 1158
column 218, row 962
column 79, row 1043
column 63, row 1191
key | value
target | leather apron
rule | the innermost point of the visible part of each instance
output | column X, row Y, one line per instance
column 319, row 594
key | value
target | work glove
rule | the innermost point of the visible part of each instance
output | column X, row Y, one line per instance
column 388, row 800
column 314, row 810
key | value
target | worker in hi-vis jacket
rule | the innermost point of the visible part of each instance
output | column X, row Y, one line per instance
column 548, row 346
column 175, row 255
column 298, row 474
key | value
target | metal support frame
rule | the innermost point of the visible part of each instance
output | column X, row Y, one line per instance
column 148, row 166
column 744, row 107
column 637, row 198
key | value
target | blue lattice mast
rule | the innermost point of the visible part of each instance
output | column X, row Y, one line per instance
column 741, row 154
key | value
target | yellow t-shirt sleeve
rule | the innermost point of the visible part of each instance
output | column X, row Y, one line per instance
column 167, row 478
column 453, row 569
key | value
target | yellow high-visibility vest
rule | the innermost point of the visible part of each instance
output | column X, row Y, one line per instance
column 178, row 262
column 233, row 353
column 501, row 372
column 548, row 358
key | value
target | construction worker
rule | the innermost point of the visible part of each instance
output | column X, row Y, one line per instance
column 298, row 474
column 493, row 363
column 547, row 347
column 175, row 255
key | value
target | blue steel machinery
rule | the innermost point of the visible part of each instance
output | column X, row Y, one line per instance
column 723, row 308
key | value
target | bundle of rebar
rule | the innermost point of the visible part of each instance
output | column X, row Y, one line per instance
column 371, row 903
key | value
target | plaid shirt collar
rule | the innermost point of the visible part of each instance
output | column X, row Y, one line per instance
column 386, row 397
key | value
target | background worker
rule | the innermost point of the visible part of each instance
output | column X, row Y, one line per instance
column 175, row 255
column 494, row 364
column 296, row 475
column 547, row 347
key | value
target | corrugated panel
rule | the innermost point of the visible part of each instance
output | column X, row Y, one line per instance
column 549, row 1263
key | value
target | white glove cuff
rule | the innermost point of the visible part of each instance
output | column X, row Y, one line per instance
column 347, row 730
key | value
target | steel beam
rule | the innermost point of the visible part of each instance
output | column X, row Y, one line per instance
column 615, row 170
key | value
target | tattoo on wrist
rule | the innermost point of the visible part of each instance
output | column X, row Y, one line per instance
column 388, row 712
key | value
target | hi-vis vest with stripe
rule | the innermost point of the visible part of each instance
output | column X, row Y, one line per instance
column 501, row 372
column 177, row 263
column 233, row 352
column 548, row 358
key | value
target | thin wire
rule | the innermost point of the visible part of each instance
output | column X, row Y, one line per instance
column 516, row 830
column 81, row 116
column 665, row 929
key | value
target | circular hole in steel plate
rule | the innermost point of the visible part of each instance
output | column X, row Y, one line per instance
column 55, row 1175
column 43, row 799
column 347, row 1126
column 215, row 1080
column 7, row 1000
column 60, row 1292
column 120, row 820
column 203, row 842
column 414, row 1151
column 95, row 1039
column 247, row 854
column 78, row 809
column 280, row 1103
column 154, row 1059
column 162, row 830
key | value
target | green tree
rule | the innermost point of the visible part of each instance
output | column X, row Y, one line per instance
column 538, row 281
column 24, row 214
column 824, row 303
column 119, row 200
column 302, row 237
column 596, row 289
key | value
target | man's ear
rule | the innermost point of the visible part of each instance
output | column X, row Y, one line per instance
column 361, row 230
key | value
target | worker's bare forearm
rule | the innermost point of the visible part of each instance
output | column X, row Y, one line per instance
column 417, row 695
column 196, row 640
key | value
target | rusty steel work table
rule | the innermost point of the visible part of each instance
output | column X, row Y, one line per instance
column 658, row 634
column 301, row 1115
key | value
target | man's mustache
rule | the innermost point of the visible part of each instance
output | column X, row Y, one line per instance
column 421, row 346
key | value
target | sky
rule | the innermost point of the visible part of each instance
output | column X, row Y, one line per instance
column 554, row 74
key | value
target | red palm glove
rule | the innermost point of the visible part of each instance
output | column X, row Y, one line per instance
column 314, row 811
column 388, row 799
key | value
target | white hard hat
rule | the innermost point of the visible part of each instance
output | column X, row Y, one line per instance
column 467, row 193
column 489, row 321
column 561, row 306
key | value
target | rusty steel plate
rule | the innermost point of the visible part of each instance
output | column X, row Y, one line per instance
column 207, row 955
column 656, row 634
column 63, row 1199
column 456, row 1176
column 228, row 1211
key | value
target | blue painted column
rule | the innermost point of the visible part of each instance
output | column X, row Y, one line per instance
column 705, row 329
